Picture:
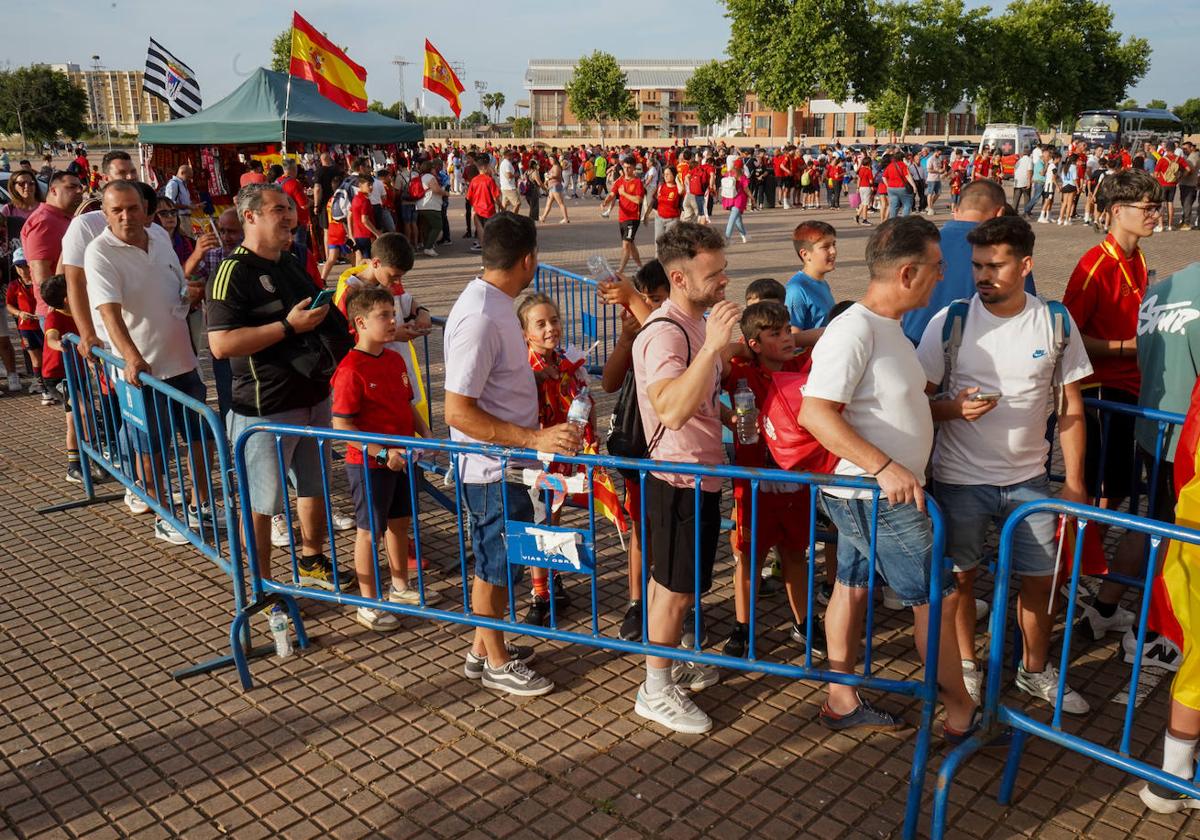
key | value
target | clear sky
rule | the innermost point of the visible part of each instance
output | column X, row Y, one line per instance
column 224, row 40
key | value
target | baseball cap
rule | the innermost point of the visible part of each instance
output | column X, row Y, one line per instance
column 18, row 256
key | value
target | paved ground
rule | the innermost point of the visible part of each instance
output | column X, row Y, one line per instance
column 367, row 735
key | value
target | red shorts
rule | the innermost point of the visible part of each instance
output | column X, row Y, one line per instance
column 633, row 501
column 335, row 235
column 782, row 519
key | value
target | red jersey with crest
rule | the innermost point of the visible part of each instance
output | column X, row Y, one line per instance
column 374, row 393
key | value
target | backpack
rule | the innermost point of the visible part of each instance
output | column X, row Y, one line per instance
column 1171, row 173
column 728, row 187
column 696, row 182
column 626, row 434
column 339, row 202
column 1060, row 333
column 792, row 446
column 523, row 185
column 416, row 187
column 806, row 178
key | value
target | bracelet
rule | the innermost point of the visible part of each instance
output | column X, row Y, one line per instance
column 288, row 329
column 886, row 464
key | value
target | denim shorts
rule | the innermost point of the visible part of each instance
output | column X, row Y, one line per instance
column 486, row 517
column 301, row 457
column 168, row 420
column 970, row 507
column 904, row 547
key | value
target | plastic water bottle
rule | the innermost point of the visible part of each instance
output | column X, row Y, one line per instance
column 580, row 412
column 745, row 414
column 600, row 270
column 278, row 622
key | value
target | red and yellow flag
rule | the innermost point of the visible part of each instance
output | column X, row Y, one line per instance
column 441, row 79
column 315, row 58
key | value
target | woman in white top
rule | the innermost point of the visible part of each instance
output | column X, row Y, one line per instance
column 556, row 188
column 1052, row 166
column 1068, row 174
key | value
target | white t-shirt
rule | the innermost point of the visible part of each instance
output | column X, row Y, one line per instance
column 150, row 286
column 487, row 360
column 429, row 201
column 378, row 192
column 82, row 230
column 865, row 362
column 1023, row 172
column 1014, row 358
column 508, row 175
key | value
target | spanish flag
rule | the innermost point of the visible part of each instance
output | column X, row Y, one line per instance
column 441, row 79
column 315, row 58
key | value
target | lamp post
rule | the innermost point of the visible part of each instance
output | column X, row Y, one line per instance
column 96, row 68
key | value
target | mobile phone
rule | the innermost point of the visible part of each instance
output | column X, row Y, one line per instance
column 323, row 297
column 990, row 397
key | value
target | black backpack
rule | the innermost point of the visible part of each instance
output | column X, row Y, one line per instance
column 626, row 434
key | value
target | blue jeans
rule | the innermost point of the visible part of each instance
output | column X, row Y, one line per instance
column 735, row 221
column 973, row 506
column 903, row 547
column 1036, row 198
column 486, row 517
column 900, row 202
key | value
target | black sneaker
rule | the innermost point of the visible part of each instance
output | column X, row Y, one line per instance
column 865, row 716
column 539, row 612
column 631, row 624
column 689, row 631
column 735, row 645
column 318, row 571
column 561, row 599
column 818, row 637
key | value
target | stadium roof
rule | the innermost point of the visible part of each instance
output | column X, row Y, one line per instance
column 642, row 73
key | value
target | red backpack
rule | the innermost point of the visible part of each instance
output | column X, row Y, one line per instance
column 792, row 446
column 416, row 187
column 696, row 182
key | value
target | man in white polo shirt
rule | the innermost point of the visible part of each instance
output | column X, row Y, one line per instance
column 140, row 301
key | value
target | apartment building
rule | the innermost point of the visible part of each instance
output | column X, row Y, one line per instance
column 115, row 100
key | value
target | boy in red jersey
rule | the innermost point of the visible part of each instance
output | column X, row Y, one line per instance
column 1103, row 296
column 628, row 191
column 483, row 195
column 783, row 510
column 59, row 323
column 372, row 393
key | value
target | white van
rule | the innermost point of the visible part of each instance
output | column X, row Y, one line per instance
column 1011, row 140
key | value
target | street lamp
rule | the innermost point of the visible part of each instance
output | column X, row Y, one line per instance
column 97, row 67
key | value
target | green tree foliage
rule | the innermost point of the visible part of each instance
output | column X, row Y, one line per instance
column 886, row 111
column 281, row 51
column 378, row 107
column 522, row 127
column 715, row 90
column 1128, row 104
column 38, row 103
column 597, row 92
column 791, row 50
column 1157, row 103
column 1189, row 112
column 476, row 118
column 497, row 103
column 1091, row 67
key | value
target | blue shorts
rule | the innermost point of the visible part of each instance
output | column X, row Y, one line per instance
column 168, row 420
column 362, row 244
column 302, row 459
column 933, row 187
column 486, row 517
column 904, row 547
column 389, row 496
column 31, row 339
column 408, row 211
column 971, row 507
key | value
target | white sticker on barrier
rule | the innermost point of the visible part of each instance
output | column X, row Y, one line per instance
column 557, row 544
column 576, row 483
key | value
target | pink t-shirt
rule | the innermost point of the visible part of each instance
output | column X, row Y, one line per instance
column 41, row 239
column 661, row 352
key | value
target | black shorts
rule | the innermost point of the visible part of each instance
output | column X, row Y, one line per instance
column 629, row 230
column 1163, row 490
column 389, row 496
column 1115, row 480
column 1168, row 194
column 362, row 244
column 1068, row 188
column 787, row 182
column 671, row 523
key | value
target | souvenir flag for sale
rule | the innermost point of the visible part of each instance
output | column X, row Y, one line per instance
column 315, row 58
column 441, row 79
column 172, row 81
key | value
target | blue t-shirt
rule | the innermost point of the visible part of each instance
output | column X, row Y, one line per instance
column 808, row 301
column 957, row 283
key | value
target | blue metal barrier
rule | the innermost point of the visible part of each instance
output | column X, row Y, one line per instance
column 1163, row 420
column 997, row 715
column 186, row 437
column 586, row 320
column 266, row 591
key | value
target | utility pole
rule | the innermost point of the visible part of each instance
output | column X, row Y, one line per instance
column 401, row 63
column 96, row 68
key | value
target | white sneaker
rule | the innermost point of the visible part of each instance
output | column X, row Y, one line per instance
column 342, row 522
column 1158, row 228
column 517, row 678
column 374, row 619
column 1045, row 686
column 280, row 538
column 1148, row 680
column 135, row 504
column 411, row 596
column 1099, row 626
column 1042, row 220
column 745, row 239
column 692, row 676
column 673, row 709
column 166, row 532
column 1156, row 653
column 972, row 678
column 429, row 252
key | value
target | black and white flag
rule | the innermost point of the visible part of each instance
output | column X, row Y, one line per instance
column 172, row 81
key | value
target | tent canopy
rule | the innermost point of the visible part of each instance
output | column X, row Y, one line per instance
column 254, row 114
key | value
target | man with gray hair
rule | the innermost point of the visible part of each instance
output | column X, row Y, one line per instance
column 283, row 355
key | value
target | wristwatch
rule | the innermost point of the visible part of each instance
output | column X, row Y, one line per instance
column 381, row 457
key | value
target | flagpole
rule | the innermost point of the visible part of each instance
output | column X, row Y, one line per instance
column 287, row 99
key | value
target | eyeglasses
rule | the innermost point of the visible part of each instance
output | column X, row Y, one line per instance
column 167, row 214
column 1148, row 210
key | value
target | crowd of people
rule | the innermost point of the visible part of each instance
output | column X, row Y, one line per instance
column 949, row 334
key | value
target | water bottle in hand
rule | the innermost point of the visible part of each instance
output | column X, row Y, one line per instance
column 745, row 412
column 579, row 414
column 278, row 622
column 600, row 270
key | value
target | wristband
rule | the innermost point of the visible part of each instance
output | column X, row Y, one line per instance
column 288, row 329
column 886, row 464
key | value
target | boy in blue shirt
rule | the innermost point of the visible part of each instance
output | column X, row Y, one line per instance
column 809, row 298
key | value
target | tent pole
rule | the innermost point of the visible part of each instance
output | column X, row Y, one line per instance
column 287, row 104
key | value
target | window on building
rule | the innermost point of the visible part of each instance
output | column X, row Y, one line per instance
column 762, row 123
column 839, row 125
column 818, row 125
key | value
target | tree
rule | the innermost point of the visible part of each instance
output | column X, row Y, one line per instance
column 1189, row 112
column 392, row 110
column 596, row 91
column 1128, row 104
column 791, row 50
column 1157, row 103
column 887, row 111
column 522, row 127
column 716, row 89
column 497, row 103
column 38, row 103
column 281, row 51
column 476, row 118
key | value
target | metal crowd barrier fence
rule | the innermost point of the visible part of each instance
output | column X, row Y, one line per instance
column 169, row 451
column 1163, row 420
column 572, row 549
column 997, row 715
column 586, row 320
